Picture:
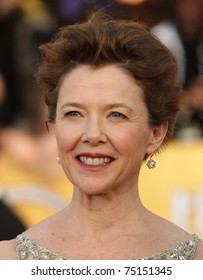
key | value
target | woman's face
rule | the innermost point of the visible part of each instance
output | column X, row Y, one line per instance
column 102, row 129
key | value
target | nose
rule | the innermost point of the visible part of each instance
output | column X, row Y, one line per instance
column 94, row 132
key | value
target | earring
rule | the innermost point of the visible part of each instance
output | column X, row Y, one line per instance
column 151, row 163
column 58, row 160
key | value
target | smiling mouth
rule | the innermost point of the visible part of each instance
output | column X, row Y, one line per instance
column 96, row 161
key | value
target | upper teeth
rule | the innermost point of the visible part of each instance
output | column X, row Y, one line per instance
column 94, row 161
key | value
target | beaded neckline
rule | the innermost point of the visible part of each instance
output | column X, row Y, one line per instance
column 27, row 249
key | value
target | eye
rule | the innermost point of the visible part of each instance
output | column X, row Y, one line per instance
column 72, row 114
column 117, row 115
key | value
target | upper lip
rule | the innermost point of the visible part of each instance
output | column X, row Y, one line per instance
column 94, row 155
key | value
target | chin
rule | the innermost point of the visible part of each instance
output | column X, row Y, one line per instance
column 94, row 190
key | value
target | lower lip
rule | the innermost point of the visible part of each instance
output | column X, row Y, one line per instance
column 94, row 167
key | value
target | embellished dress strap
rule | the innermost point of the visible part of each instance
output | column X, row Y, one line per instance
column 27, row 249
column 181, row 251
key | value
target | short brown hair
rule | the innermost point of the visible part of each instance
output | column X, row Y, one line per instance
column 102, row 40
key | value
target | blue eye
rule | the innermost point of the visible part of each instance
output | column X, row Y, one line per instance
column 118, row 115
column 72, row 114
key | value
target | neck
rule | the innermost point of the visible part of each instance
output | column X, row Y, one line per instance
column 101, row 215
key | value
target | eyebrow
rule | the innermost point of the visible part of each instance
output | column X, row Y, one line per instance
column 72, row 104
column 118, row 105
column 108, row 107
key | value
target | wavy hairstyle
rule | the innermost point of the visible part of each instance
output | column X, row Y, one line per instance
column 130, row 45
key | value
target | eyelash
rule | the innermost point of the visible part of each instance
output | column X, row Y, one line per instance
column 118, row 115
column 72, row 114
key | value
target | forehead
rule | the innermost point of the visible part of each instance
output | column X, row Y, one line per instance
column 108, row 80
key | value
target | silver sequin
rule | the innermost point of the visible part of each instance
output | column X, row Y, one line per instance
column 29, row 250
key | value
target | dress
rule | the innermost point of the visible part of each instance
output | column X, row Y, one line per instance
column 27, row 249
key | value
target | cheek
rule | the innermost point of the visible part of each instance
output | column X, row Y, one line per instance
column 66, row 137
column 125, row 136
column 131, row 142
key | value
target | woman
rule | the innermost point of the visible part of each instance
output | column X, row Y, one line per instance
column 113, row 95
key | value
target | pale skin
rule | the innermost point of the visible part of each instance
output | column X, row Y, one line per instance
column 102, row 118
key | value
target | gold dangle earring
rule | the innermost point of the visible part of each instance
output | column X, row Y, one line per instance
column 151, row 163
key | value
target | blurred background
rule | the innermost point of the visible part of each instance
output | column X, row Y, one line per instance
column 32, row 184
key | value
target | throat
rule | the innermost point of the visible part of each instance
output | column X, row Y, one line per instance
column 101, row 216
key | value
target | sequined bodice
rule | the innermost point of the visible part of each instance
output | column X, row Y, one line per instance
column 27, row 249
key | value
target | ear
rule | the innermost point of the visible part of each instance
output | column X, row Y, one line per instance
column 157, row 136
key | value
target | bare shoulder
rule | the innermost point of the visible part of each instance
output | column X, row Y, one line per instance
column 8, row 250
column 199, row 251
column 162, row 227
